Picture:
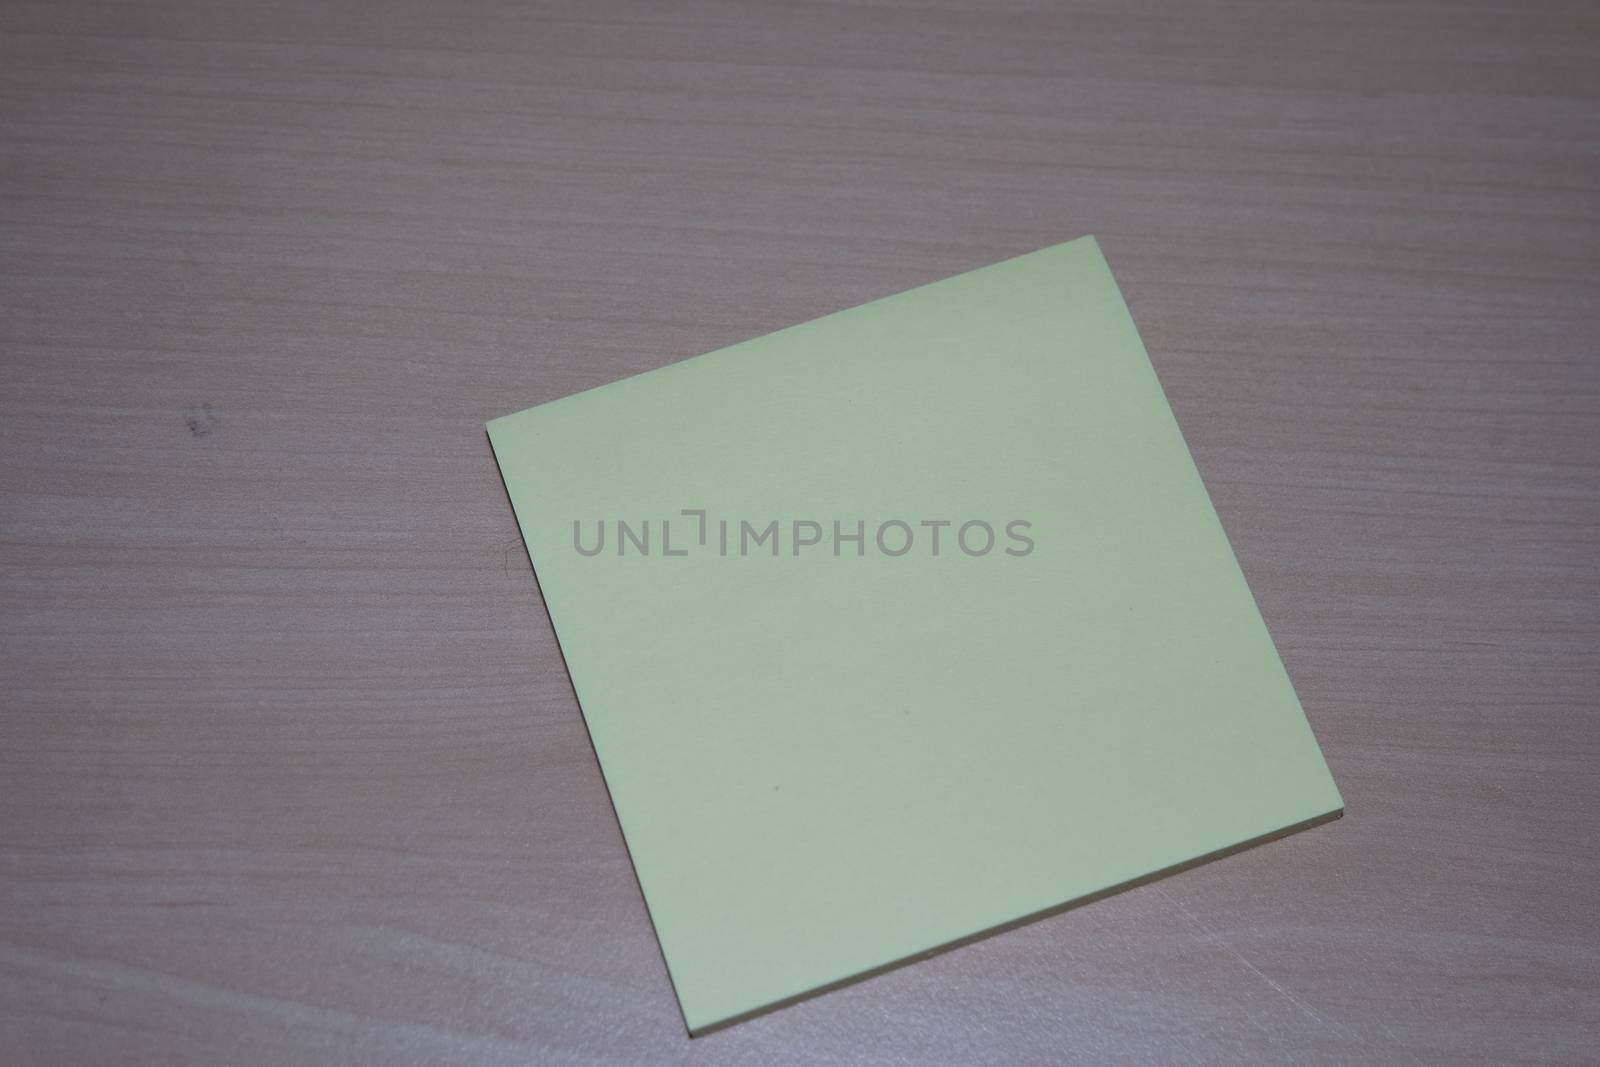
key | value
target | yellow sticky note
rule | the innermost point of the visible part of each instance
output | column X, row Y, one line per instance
column 901, row 625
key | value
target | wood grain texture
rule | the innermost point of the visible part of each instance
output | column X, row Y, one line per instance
column 291, row 769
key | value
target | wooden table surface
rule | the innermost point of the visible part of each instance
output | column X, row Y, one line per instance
column 292, row 772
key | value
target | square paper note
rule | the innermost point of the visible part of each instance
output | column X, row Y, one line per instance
column 901, row 625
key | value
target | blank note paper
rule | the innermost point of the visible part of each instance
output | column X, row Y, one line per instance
column 901, row 625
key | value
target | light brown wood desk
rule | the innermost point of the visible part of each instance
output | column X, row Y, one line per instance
column 292, row 772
